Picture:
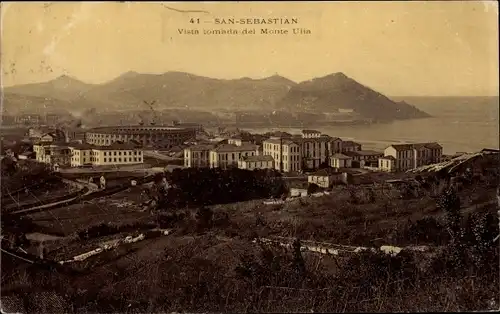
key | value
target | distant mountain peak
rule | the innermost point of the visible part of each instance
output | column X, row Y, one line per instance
column 131, row 73
column 66, row 78
column 279, row 79
column 340, row 75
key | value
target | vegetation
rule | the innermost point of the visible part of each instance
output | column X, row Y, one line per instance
column 211, row 264
column 204, row 186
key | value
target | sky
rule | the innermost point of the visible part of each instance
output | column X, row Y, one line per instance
column 397, row 48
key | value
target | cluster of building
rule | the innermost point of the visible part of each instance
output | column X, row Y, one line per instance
column 105, row 146
column 308, row 151
column 62, row 154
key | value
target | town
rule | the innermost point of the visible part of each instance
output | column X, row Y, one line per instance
column 300, row 153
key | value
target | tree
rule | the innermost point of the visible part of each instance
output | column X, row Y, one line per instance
column 312, row 188
column 9, row 166
column 449, row 201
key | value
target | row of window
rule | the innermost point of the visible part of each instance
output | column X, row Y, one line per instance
column 124, row 153
column 135, row 159
column 255, row 164
column 276, row 147
column 234, row 156
column 96, row 153
column 119, row 159
column 156, row 135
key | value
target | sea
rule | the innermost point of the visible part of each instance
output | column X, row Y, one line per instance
column 459, row 124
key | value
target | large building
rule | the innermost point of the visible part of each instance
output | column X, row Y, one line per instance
column 114, row 154
column 52, row 153
column 77, row 155
column 306, row 151
column 227, row 155
column 286, row 153
column 410, row 156
column 156, row 136
column 198, row 156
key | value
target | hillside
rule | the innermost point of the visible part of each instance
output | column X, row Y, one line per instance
column 183, row 90
column 337, row 91
column 178, row 89
column 64, row 88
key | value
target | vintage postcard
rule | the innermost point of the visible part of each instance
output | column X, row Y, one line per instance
column 161, row 157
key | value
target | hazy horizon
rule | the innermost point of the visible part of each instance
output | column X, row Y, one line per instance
column 401, row 49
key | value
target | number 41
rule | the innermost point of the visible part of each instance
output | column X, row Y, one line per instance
column 193, row 21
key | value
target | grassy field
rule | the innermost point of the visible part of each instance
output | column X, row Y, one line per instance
column 121, row 208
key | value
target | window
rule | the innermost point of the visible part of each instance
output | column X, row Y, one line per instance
column 114, row 159
column 114, row 153
column 104, row 159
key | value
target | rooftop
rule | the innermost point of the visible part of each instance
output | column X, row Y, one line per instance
column 258, row 158
column 114, row 146
column 135, row 129
column 201, row 147
column 326, row 172
column 364, row 153
column 340, row 156
column 350, row 143
column 80, row 146
column 388, row 158
column 49, row 143
column 235, row 148
column 282, row 141
column 280, row 134
column 310, row 132
column 300, row 139
column 432, row 145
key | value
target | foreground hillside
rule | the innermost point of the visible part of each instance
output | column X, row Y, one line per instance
column 213, row 260
column 183, row 90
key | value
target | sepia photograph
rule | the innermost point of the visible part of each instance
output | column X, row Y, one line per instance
column 249, row 157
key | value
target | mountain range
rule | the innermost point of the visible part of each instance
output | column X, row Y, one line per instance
column 329, row 94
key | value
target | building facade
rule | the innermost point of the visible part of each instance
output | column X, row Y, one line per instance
column 340, row 161
column 325, row 178
column 256, row 162
column 315, row 151
column 227, row 155
column 115, row 154
column 198, row 155
column 157, row 136
column 52, row 153
column 410, row 156
column 387, row 163
column 365, row 157
column 286, row 153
